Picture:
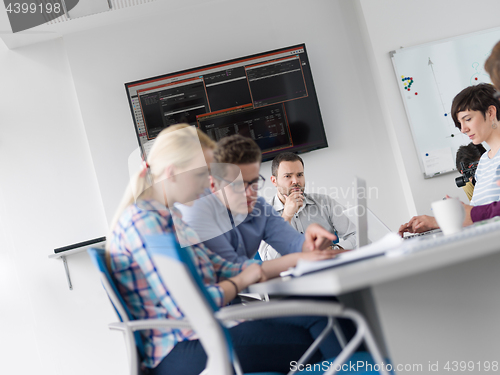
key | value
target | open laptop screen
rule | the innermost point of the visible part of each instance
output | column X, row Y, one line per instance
column 361, row 212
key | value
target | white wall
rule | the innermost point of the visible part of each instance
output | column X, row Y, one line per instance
column 66, row 133
column 65, row 103
column 392, row 24
column 48, row 198
column 102, row 60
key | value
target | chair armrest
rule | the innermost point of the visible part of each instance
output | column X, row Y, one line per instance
column 275, row 309
column 142, row 324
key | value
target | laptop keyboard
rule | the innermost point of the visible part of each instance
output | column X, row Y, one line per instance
column 476, row 230
column 429, row 232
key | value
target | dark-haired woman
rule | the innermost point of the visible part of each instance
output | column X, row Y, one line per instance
column 476, row 112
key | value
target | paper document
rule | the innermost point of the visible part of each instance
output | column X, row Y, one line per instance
column 390, row 241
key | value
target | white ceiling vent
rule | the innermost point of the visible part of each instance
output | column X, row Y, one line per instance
column 101, row 12
column 89, row 7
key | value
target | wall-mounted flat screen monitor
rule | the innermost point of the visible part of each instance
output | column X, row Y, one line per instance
column 269, row 97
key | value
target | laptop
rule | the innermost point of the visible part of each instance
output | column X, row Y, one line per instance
column 435, row 232
column 369, row 227
column 361, row 212
column 367, row 224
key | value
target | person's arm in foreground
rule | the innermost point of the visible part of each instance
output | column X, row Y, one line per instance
column 478, row 213
column 487, row 211
column 317, row 238
column 255, row 273
column 286, row 240
column 232, row 286
column 272, row 268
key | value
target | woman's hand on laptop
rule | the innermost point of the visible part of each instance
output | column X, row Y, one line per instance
column 419, row 224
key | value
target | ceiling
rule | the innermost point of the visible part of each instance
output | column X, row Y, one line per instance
column 121, row 11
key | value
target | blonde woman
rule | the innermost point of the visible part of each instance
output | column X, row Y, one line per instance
column 178, row 167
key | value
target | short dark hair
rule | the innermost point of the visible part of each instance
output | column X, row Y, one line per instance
column 237, row 149
column 474, row 98
column 284, row 156
column 469, row 154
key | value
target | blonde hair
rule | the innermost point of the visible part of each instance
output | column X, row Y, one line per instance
column 171, row 148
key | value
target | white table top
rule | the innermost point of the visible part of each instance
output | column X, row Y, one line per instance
column 473, row 242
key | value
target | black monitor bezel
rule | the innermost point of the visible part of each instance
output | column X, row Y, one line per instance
column 265, row 156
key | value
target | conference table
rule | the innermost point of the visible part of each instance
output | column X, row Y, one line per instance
column 433, row 304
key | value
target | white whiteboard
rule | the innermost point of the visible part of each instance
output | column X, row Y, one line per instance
column 429, row 76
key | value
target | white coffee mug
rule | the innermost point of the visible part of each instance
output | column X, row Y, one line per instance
column 450, row 215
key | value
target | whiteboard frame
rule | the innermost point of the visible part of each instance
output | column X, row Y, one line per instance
column 402, row 92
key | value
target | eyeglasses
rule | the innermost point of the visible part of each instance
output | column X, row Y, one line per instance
column 242, row 186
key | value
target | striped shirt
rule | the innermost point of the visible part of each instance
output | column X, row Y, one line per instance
column 139, row 282
column 486, row 189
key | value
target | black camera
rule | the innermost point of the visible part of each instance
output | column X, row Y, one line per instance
column 467, row 173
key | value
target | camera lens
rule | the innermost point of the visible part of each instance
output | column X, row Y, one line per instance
column 460, row 181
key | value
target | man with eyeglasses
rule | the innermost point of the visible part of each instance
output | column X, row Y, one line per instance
column 232, row 220
column 301, row 209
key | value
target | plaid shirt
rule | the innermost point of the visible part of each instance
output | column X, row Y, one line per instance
column 139, row 282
